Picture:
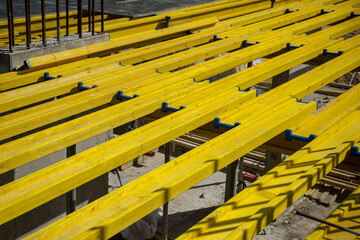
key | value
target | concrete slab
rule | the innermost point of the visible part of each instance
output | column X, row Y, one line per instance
column 128, row 8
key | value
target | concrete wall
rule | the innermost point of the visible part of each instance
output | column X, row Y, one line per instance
column 49, row 212
column 10, row 60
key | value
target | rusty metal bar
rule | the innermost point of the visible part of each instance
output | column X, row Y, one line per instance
column 79, row 6
column 12, row 21
column 10, row 24
column 58, row 20
column 43, row 24
column 67, row 17
column 93, row 17
column 89, row 15
column 28, row 25
column 102, row 16
column 329, row 223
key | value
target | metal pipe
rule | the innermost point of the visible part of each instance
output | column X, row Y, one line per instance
column 58, row 20
column 102, row 17
column 67, row 17
column 71, row 195
column 89, row 15
column 329, row 223
column 167, row 147
column 10, row 24
column 28, row 25
column 93, row 17
column 79, row 6
column 43, row 24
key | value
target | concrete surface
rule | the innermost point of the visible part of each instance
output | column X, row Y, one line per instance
column 130, row 8
column 10, row 60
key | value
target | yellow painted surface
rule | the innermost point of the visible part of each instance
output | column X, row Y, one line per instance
column 246, row 214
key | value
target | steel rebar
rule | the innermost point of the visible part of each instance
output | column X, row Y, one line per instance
column 28, row 25
column 58, row 20
column 93, row 18
column 102, row 17
column 329, row 223
column 43, row 23
column 67, row 17
column 89, row 15
column 79, row 6
column 10, row 24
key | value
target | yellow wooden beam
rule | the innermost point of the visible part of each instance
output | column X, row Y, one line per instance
column 245, row 215
column 109, row 155
column 172, row 178
column 20, row 151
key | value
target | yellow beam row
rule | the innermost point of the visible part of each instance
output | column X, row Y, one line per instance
column 79, row 174
column 55, row 58
column 246, row 214
column 110, row 214
column 121, row 208
column 36, row 19
column 111, row 89
column 20, row 151
column 74, row 171
column 347, row 214
column 15, row 79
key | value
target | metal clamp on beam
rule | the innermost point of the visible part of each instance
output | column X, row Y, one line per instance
column 216, row 38
column 354, row 151
column 25, row 66
column 272, row 3
column 300, row 101
column 289, row 46
column 120, row 96
column 81, row 87
column 245, row 43
column 165, row 108
column 354, row 15
column 48, row 77
column 323, row 11
column 257, row 92
column 167, row 19
column 325, row 53
column 289, row 135
column 218, row 124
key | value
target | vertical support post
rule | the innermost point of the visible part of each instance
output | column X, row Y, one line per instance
column 89, row 15
column 79, row 15
column 102, row 17
column 231, row 179
column 71, row 195
column 93, row 17
column 58, row 20
column 241, row 174
column 43, row 24
column 67, row 17
column 10, row 24
column 28, row 26
column 167, row 147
